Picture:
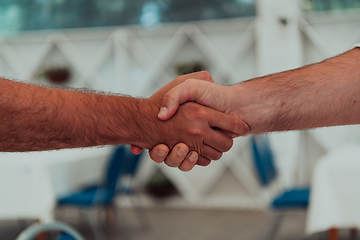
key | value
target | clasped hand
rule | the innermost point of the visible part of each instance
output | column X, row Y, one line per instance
column 194, row 133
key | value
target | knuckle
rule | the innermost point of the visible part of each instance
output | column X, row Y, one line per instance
column 170, row 96
column 228, row 145
column 235, row 125
column 217, row 156
column 189, row 82
column 198, row 113
column 206, row 74
column 195, row 132
column 203, row 162
column 184, row 169
column 212, row 154
column 202, row 112
column 155, row 158
column 171, row 164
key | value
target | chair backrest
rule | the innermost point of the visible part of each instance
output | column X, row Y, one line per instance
column 114, row 168
column 131, row 163
column 263, row 159
column 123, row 162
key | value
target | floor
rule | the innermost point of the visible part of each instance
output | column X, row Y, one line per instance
column 180, row 224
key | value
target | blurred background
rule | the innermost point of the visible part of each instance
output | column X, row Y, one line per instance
column 135, row 47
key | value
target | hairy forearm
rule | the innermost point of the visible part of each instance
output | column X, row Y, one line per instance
column 323, row 94
column 35, row 118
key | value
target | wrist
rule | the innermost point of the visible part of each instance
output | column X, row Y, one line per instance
column 255, row 105
column 147, row 126
column 125, row 120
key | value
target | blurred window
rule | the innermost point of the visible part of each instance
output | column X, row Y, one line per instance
column 17, row 15
column 326, row 5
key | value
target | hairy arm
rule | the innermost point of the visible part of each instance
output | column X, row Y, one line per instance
column 318, row 95
column 37, row 118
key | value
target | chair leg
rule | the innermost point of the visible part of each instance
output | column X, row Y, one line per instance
column 275, row 225
column 141, row 213
column 111, row 215
column 95, row 226
column 353, row 233
column 263, row 228
column 123, row 226
column 270, row 226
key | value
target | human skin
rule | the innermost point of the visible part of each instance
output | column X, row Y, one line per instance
column 35, row 118
column 317, row 95
column 179, row 155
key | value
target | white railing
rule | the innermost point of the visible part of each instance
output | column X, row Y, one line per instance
column 138, row 61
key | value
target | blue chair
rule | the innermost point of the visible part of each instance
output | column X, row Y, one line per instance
column 122, row 162
column 267, row 173
column 129, row 171
column 126, row 188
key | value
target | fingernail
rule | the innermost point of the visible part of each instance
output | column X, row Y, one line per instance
column 161, row 153
column 181, row 152
column 163, row 112
column 193, row 157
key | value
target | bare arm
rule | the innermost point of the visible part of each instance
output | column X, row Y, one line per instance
column 36, row 118
column 318, row 95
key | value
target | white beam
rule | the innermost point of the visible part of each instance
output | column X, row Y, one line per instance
column 279, row 44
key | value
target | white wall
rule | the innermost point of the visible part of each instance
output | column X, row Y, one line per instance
column 138, row 61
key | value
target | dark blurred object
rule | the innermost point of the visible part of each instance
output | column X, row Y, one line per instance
column 121, row 164
column 189, row 67
column 46, row 14
column 63, row 232
column 283, row 21
column 285, row 199
column 326, row 5
column 160, row 186
column 57, row 75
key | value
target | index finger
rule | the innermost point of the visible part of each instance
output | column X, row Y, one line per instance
column 188, row 91
column 202, row 75
column 227, row 123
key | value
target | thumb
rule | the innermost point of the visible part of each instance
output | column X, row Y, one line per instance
column 190, row 90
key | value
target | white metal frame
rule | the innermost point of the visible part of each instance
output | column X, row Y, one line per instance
column 127, row 44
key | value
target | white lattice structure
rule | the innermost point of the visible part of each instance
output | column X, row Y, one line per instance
column 138, row 61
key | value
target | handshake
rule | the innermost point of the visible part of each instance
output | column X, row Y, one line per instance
column 197, row 119
column 195, row 122
column 189, row 121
